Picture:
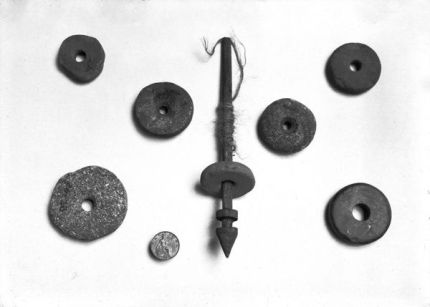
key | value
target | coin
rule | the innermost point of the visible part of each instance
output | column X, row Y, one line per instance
column 164, row 245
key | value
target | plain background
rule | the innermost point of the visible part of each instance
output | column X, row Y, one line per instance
column 284, row 254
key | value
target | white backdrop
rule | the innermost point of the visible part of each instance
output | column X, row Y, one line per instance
column 284, row 255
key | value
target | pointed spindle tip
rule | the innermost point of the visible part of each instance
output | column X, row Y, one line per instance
column 226, row 236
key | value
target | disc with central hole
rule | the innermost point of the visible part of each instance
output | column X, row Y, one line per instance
column 286, row 126
column 353, row 68
column 81, row 58
column 372, row 221
column 88, row 204
column 239, row 174
column 163, row 109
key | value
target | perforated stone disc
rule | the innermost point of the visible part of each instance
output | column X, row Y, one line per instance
column 375, row 218
column 94, row 185
column 286, row 126
column 237, row 173
column 353, row 68
column 163, row 109
column 81, row 58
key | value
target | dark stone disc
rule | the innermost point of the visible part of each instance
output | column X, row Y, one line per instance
column 81, row 58
column 375, row 215
column 163, row 109
column 353, row 68
column 286, row 126
column 102, row 193
column 239, row 174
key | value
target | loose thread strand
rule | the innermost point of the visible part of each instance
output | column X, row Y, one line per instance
column 241, row 63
